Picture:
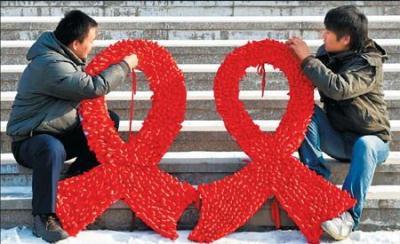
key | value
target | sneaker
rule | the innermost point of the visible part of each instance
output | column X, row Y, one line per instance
column 48, row 228
column 339, row 228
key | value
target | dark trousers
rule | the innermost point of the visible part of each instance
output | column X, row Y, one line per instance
column 46, row 154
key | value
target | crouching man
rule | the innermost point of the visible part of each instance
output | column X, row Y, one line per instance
column 44, row 124
column 353, row 124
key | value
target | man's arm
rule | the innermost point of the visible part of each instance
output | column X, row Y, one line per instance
column 354, row 82
column 62, row 80
column 357, row 80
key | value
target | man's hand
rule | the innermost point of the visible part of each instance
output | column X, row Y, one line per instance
column 132, row 61
column 299, row 47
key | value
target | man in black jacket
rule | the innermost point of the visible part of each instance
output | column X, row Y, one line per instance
column 353, row 124
column 44, row 124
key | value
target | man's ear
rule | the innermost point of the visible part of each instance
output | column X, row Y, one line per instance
column 346, row 40
column 75, row 44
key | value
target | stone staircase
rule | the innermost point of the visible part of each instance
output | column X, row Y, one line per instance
column 199, row 35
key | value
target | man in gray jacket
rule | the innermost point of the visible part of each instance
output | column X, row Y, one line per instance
column 44, row 124
column 354, row 123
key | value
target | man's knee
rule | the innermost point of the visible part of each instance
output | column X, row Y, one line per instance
column 364, row 143
column 114, row 117
column 365, row 147
column 50, row 150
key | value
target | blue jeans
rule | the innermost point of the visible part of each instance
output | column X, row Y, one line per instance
column 363, row 152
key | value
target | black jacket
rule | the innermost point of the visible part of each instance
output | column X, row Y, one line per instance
column 350, row 84
column 52, row 86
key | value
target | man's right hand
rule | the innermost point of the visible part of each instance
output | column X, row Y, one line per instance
column 132, row 61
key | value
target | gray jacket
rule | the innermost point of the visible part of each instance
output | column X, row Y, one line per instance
column 351, row 88
column 52, row 86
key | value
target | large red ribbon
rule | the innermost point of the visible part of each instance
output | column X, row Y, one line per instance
column 129, row 171
column 308, row 199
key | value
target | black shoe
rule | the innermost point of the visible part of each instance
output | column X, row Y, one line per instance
column 48, row 228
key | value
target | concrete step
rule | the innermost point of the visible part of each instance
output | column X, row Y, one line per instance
column 203, row 68
column 180, row 54
column 184, row 51
column 207, row 95
column 205, row 81
column 205, row 167
column 223, row 8
column 164, row 21
column 195, row 28
column 204, row 135
column 199, row 141
column 192, row 33
column 189, row 8
column 381, row 212
column 314, row 43
column 201, row 106
column 200, row 77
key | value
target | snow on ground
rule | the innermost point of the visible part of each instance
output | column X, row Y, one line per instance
column 24, row 235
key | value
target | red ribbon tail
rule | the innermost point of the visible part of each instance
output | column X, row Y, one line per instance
column 276, row 217
column 220, row 204
column 132, row 103
column 308, row 208
column 197, row 204
column 134, row 81
column 73, row 197
column 158, row 199
column 261, row 71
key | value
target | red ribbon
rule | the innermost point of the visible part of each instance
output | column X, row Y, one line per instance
column 230, row 202
column 276, row 217
column 261, row 71
column 132, row 102
column 129, row 171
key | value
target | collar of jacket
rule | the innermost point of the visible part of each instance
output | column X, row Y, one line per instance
column 371, row 52
column 340, row 56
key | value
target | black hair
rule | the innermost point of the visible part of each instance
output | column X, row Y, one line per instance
column 74, row 26
column 348, row 20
